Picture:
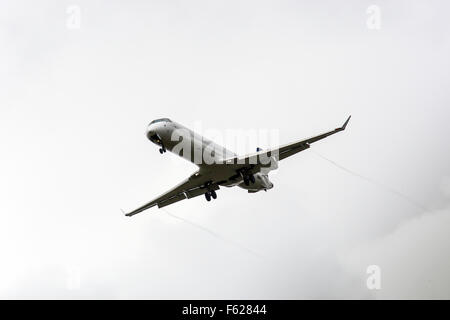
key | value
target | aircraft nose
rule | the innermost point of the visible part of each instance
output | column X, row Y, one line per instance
column 152, row 134
column 151, row 130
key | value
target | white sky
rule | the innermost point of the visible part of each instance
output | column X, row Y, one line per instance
column 74, row 105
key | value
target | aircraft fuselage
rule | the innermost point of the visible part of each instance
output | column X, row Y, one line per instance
column 178, row 139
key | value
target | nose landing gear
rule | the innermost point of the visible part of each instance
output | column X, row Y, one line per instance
column 162, row 150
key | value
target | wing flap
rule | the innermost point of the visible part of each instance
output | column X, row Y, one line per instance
column 172, row 200
column 292, row 151
column 199, row 191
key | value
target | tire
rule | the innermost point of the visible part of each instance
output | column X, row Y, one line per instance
column 214, row 194
column 208, row 196
column 161, row 150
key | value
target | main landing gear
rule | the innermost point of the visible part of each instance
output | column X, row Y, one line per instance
column 210, row 194
column 162, row 150
column 248, row 179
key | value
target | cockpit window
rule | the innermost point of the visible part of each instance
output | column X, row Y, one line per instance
column 161, row 120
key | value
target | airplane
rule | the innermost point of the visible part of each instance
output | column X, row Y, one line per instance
column 222, row 168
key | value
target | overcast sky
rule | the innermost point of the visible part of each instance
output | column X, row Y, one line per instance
column 76, row 95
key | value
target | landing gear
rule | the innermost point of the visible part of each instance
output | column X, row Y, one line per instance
column 162, row 150
column 248, row 179
column 210, row 194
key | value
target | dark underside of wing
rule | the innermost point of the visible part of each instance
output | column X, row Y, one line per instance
column 197, row 184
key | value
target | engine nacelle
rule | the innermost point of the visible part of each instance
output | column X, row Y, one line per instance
column 262, row 182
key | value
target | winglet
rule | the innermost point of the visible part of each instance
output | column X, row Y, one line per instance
column 345, row 123
column 127, row 214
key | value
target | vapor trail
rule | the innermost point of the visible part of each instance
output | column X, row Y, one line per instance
column 405, row 197
column 214, row 234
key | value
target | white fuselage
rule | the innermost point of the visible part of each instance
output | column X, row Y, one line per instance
column 172, row 136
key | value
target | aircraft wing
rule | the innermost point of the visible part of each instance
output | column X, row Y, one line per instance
column 189, row 188
column 292, row 148
column 261, row 158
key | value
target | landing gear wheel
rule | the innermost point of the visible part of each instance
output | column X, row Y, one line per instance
column 246, row 181
column 252, row 178
column 161, row 150
column 213, row 194
column 208, row 196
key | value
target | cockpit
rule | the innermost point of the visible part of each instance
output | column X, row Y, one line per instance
column 155, row 131
column 161, row 120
